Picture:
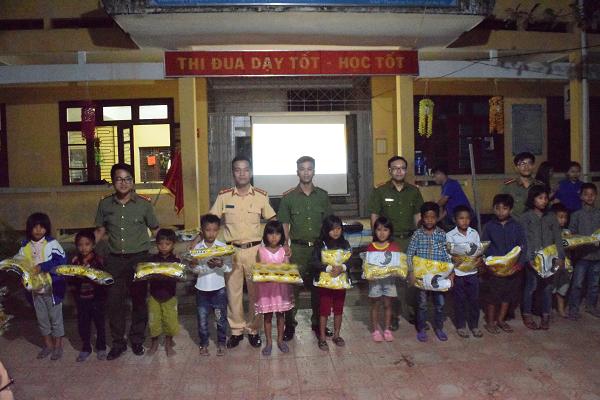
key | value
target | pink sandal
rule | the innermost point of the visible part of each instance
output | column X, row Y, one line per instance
column 387, row 335
column 376, row 335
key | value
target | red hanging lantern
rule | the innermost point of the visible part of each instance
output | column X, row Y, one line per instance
column 88, row 121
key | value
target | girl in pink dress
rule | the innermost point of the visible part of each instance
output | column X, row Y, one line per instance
column 273, row 297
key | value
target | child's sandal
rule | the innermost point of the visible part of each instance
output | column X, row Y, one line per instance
column 323, row 345
column 505, row 327
column 492, row 328
column 338, row 341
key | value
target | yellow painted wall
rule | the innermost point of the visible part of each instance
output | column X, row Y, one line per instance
column 202, row 124
column 33, row 134
column 33, row 141
column 32, row 122
column 383, row 109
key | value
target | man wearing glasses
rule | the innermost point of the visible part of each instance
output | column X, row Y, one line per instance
column 519, row 187
column 125, row 217
column 400, row 202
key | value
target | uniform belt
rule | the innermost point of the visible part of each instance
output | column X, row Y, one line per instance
column 246, row 245
column 303, row 242
column 128, row 255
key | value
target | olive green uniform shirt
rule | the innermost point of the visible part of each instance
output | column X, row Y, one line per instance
column 515, row 188
column 304, row 213
column 127, row 224
column 399, row 207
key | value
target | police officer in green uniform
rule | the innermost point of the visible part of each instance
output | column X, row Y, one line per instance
column 302, row 209
column 518, row 187
column 400, row 202
column 125, row 217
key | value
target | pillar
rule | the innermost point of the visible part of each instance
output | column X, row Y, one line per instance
column 202, row 144
column 405, row 121
column 575, row 109
column 189, row 151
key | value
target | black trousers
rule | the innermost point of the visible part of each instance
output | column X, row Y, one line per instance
column 91, row 311
column 122, row 269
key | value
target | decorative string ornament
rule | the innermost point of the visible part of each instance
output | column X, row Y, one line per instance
column 496, row 115
column 88, row 121
column 426, row 117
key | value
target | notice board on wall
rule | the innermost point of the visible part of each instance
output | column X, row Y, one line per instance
column 527, row 128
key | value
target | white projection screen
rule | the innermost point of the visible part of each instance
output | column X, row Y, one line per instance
column 278, row 140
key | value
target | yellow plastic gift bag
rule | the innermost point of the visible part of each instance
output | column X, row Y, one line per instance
column 279, row 273
column 570, row 241
column 545, row 262
column 383, row 264
column 95, row 275
column 504, row 265
column 335, row 257
column 467, row 254
column 329, row 282
column 150, row 270
column 37, row 282
column 430, row 274
column 211, row 252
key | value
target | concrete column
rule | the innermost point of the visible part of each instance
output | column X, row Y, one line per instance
column 405, row 121
column 202, row 144
column 189, row 151
column 575, row 107
column 383, row 110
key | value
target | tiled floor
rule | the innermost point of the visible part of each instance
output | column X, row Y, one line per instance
column 561, row 363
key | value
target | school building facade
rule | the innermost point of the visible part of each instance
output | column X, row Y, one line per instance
column 59, row 58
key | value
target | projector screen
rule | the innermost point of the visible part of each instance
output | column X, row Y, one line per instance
column 278, row 140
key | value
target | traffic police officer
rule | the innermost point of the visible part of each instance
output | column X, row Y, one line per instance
column 125, row 216
column 302, row 209
column 241, row 208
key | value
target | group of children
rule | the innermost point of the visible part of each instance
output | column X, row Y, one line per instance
column 539, row 227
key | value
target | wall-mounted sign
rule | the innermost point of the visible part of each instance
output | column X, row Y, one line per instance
column 278, row 63
column 362, row 3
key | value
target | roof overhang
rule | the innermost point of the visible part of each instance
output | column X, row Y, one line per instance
column 402, row 30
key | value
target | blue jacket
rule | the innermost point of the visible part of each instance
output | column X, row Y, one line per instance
column 503, row 238
column 54, row 255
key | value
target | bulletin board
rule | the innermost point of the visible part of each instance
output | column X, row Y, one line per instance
column 528, row 128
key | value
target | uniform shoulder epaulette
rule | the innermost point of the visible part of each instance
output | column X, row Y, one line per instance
column 107, row 196
column 511, row 180
column 226, row 190
column 261, row 191
column 290, row 190
column 141, row 196
column 380, row 184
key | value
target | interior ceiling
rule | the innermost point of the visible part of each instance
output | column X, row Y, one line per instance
column 185, row 30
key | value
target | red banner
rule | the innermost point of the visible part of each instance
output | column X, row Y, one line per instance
column 273, row 63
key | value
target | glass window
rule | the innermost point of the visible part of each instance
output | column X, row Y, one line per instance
column 74, row 114
column 108, row 151
column 154, row 112
column 117, row 113
column 75, row 137
column 78, row 175
column 77, row 156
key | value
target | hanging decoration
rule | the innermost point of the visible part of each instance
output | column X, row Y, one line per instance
column 97, row 153
column 88, row 120
column 426, row 117
column 496, row 115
